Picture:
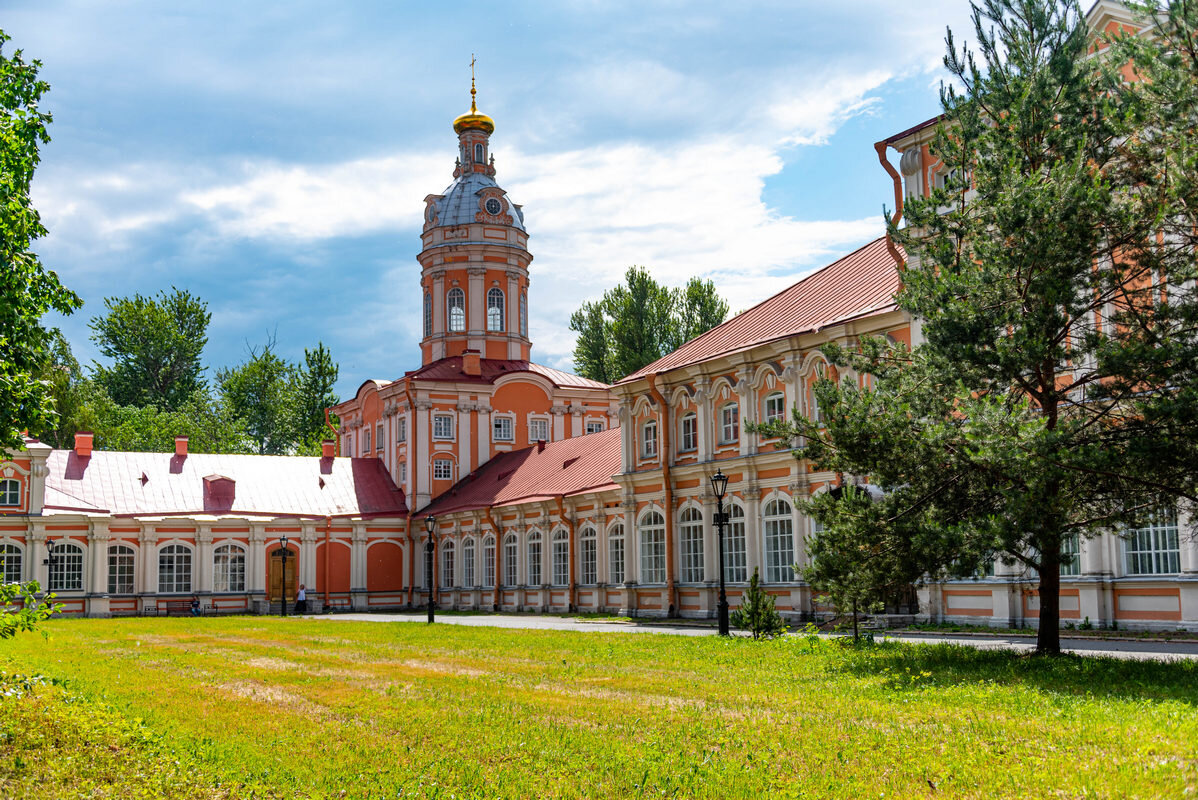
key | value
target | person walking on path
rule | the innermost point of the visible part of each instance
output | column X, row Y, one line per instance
column 301, row 600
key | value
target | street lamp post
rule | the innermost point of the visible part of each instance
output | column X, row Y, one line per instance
column 430, row 524
column 283, row 588
column 719, row 485
column 49, row 562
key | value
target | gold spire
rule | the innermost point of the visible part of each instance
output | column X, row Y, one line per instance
column 473, row 120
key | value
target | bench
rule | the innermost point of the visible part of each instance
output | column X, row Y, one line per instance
column 175, row 607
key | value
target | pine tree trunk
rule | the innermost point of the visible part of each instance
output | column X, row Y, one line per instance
column 1048, row 638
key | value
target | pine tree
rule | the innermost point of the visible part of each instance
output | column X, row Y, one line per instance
column 756, row 613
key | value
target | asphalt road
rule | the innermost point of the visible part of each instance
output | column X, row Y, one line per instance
column 1131, row 649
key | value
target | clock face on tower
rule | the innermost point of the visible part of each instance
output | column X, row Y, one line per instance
column 493, row 206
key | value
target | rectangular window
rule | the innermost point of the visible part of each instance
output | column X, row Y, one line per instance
column 615, row 561
column 10, row 492
column 775, row 407
column 1153, row 549
column 729, row 423
column 1071, row 559
column 538, row 430
column 509, row 561
column 10, row 564
column 442, row 469
column 649, row 440
column 66, row 573
column 590, row 560
column 403, row 472
column 690, row 434
column 501, row 429
column 594, row 426
column 120, row 569
column 401, row 430
column 442, row 426
column 366, row 441
column 378, row 436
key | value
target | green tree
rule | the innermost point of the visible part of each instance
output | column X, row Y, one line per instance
column 756, row 612
column 1055, row 393
column 261, row 392
column 27, row 289
column 314, row 393
column 70, row 392
column 155, row 345
column 210, row 425
column 640, row 321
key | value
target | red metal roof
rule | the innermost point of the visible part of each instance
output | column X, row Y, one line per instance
column 159, row 484
column 492, row 369
column 863, row 282
column 571, row 466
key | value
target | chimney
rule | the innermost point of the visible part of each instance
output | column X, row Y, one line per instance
column 181, row 445
column 83, row 443
column 327, row 449
column 472, row 363
column 540, row 445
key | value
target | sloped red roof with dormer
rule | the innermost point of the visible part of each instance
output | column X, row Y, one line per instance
column 164, row 484
column 571, row 466
column 863, row 282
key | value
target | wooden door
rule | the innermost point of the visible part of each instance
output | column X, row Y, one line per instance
column 278, row 586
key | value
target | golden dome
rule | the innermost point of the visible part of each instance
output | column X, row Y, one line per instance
column 474, row 121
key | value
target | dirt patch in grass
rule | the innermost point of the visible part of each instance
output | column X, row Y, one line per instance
column 261, row 692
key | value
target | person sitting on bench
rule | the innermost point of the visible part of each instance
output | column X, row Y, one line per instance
column 195, row 606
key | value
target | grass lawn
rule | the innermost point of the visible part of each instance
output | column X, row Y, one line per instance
column 263, row 707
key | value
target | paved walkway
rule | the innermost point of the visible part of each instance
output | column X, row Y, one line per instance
column 1131, row 649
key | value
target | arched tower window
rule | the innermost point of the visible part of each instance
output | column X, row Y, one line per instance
column 479, row 158
column 523, row 314
column 428, row 314
column 495, row 309
column 455, row 310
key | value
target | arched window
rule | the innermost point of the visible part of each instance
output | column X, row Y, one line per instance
column 692, row 545
column 174, row 569
column 120, row 569
column 66, row 571
column 428, row 314
column 489, row 561
column 534, row 559
column 653, row 548
column 523, row 314
column 468, row 562
column 590, row 555
column 774, row 407
column 561, row 558
column 615, row 554
column 495, row 309
column 688, row 430
column 10, row 492
column 10, row 563
column 228, row 569
column 447, row 554
column 455, row 309
column 729, row 423
column 736, row 567
column 649, row 439
column 478, row 153
column 779, row 542
column 510, row 549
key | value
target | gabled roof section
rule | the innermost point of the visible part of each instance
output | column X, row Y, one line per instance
column 863, row 282
column 492, row 369
column 164, row 484
column 572, row 466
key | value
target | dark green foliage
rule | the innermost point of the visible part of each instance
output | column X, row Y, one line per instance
column 640, row 321
column 27, row 289
column 314, row 394
column 1057, row 391
column 260, row 392
column 155, row 345
column 756, row 613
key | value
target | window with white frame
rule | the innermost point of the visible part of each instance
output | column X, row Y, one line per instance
column 66, row 573
column 489, row 561
column 523, row 314
column 442, row 469
column 779, row 542
column 447, row 555
column 443, row 426
column 10, row 492
column 366, row 440
column 348, row 445
column 478, row 153
column 428, row 314
column 228, row 569
column 502, row 429
column 1153, row 548
column 401, row 429
column 736, row 566
column 688, row 438
column 468, row 563
column 590, row 555
column 10, row 563
column 495, row 309
column 561, row 558
column 774, row 407
column 615, row 554
column 729, row 423
column 538, row 430
column 653, row 548
column 403, row 472
column 120, row 569
column 649, row 439
column 594, row 426
column 534, row 559
column 174, row 569
column 510, row 549
column 378, row 436
column 1071, row 555
column 692, row 545
column 455, row 310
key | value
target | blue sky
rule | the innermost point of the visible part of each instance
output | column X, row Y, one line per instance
column 273, row 157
